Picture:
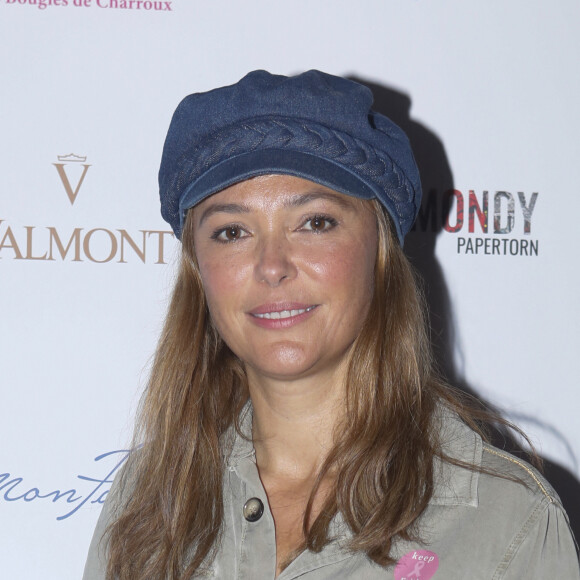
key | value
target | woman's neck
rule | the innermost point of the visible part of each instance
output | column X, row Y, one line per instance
column 294, row 422
column 293, row 427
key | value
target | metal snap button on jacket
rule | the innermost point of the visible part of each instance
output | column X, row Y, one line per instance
column 253, row 509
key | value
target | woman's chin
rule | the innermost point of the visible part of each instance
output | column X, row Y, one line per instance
column 284, row 364
column 279, row 371
column 292, row 364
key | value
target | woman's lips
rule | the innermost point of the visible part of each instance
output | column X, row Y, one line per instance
column 281, row 315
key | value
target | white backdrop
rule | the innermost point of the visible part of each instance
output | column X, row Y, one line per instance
column 87, row 92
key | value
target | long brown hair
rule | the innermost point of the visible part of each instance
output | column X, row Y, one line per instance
column 170, row 497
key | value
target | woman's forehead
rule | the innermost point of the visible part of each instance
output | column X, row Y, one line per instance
column 265, row 193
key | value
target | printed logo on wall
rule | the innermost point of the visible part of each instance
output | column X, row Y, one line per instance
column 97, row 245
column 147, row 5
column 509, row 233
column 60, row 167
column 93, row 491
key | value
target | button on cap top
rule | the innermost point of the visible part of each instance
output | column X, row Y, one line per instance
column 253, row 509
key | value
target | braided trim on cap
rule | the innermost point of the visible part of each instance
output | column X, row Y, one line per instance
column 371, row 165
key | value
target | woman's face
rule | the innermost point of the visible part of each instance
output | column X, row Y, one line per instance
column 288, row 268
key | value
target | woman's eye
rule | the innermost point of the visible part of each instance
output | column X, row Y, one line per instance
column 319, row 223
column 229, row 234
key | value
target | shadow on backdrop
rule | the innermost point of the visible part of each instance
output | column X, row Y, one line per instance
column 437, row 179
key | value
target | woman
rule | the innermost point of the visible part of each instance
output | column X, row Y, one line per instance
column 293, row 425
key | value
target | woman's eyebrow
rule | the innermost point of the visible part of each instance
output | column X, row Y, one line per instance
column 294, row 201
column 223, row 208
column 303, row 199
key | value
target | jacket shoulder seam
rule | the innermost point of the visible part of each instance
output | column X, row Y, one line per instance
column 523, row 466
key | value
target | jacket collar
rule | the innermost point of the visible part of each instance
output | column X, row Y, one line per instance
column 456, row 485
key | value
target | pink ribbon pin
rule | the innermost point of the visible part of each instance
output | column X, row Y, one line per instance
column 417, row 565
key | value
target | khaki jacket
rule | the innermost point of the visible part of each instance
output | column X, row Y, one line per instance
column 476, row 527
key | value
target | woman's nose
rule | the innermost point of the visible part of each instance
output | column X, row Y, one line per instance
column 274, row 260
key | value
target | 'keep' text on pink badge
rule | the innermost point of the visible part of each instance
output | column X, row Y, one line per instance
column 417, row 565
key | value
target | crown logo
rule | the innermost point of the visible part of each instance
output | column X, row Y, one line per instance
column 63, row 161
column 72, row 157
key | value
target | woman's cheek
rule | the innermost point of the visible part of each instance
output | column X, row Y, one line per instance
column 336, row 263
column 322, row 260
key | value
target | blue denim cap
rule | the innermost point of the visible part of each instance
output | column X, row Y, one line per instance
column 315, row 126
